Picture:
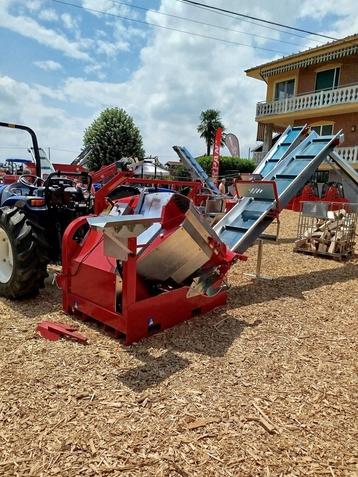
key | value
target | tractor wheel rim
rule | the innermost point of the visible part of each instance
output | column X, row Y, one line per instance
column 6, row 257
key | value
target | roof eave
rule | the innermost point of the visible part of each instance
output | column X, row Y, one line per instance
column 255, row 72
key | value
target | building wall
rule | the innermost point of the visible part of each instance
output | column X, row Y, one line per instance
column 305, row 82
column 348, row 74
column 347, row 122
column 305, row 78
column 272, row 80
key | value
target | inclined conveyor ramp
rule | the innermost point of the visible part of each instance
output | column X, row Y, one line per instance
column 192, row 164
column 263, row 199
column 288, row 141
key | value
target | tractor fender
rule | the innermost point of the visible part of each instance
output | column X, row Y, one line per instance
column 9, row 201
column 12, row 200
column 2, row 187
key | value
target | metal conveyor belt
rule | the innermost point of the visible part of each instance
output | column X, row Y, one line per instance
column 262, row 199
column 195, row 168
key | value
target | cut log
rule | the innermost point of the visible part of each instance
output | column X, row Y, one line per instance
column 332, row 247
column 322, row 248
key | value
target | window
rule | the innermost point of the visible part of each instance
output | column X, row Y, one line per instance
column 327, row 79
column 323, row 129
column 285, row 89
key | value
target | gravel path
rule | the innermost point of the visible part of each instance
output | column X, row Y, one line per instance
column 266, row 386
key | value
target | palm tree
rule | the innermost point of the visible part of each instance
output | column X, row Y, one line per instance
column 210, row 121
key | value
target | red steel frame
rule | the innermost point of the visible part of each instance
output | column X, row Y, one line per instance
column 89, row 278
column 139, row 316
column 127, row 178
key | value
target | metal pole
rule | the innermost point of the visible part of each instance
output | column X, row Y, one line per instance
column 257, row 275
column 259, row 259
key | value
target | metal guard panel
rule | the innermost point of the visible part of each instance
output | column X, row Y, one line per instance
column 121, row 223
column 181, row 253
column 265, row 190
column 177, row 257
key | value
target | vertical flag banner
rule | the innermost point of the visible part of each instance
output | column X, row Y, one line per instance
column 216, row 155
column 232, row 143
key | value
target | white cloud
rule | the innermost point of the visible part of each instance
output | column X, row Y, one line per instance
column 344, row 11
column 34, row 5
column 178, row 76
column 123, row 32
column 48, row 14
column 96, row 70
column 48, row 65
column 109, row 7
column 69, row 21
column 24, row 104
column 30, row 28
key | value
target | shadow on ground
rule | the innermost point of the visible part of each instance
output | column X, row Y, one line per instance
column 198, row 336
column 294, row 286
column 204, row 335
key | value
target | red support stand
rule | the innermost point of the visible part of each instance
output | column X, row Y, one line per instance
column 56, row 331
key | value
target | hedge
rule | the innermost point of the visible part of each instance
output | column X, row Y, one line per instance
column 228, row 165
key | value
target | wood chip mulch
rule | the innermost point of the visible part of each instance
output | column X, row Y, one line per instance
column 265, row 386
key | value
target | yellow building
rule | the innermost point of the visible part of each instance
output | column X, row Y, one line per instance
column 318, row 87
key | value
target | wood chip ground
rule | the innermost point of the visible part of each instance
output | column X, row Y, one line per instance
column 266, row 386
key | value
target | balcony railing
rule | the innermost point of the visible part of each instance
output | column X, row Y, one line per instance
column 329, row 97
column 349, row 154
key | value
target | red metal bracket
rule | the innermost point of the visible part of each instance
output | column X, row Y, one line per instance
column 55, row 331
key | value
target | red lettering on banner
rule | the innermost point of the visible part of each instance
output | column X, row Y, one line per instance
column 216, row 154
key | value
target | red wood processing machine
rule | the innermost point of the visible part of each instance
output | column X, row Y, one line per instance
column 153, row 261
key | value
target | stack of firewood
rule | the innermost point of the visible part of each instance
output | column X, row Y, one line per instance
column 333, row 235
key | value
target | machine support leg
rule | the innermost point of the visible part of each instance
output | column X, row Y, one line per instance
column 278, row 225
column 129, row 291
column 258, row 275
column 259, row 259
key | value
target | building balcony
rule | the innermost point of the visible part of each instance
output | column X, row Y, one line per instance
column 349, row 154
column 341, row 100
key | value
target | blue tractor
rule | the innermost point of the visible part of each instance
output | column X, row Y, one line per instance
column 34, row 214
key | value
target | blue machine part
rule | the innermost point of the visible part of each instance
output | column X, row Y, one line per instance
column 289, row 139
column 245, row 222
column 196, row 168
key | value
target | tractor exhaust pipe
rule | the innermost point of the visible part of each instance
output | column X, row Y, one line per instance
column 35, row 144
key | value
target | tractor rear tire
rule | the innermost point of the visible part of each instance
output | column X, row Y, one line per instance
column 23, row 255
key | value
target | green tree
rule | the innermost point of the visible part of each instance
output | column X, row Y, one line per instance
column 112, row 135
column 210, row 121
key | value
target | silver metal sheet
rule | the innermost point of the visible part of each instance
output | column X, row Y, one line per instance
column 177, row 257
column 216, row 205
column 122, row 227
column 113, row 246
column 182, row 253
column 149, row 234
column 315, row 209
column 117, row 230
column 148, row 168
column 200, row 224
column 256, row 190
column 153, row 203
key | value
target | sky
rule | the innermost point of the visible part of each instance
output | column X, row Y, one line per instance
column 63, row 61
